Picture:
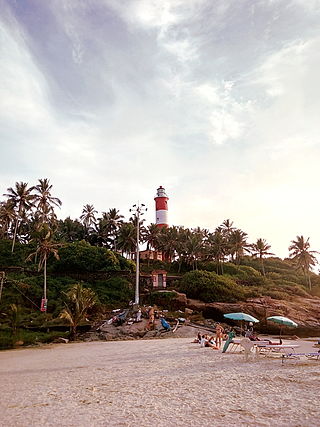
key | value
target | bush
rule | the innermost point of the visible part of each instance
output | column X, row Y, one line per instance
column 164, row 299
column 210, row 287
column 7, row 339
column 116, row 290
column 82, row 257
column 17, row 258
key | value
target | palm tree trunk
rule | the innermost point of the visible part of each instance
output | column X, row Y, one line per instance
column 14, row 235
column 45, row 279
column 262, row 266
column 308, row 280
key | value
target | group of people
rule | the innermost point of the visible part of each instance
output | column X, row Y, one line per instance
column 214, row 341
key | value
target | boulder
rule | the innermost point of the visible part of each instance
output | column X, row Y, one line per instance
column 61, row 340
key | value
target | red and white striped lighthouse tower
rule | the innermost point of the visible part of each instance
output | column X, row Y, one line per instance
column 161, row 200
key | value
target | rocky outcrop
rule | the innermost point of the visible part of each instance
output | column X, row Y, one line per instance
column 304, row 311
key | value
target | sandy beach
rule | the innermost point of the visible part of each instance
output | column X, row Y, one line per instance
column 168, row 382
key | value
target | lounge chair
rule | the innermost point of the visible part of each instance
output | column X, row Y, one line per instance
column 309, row 356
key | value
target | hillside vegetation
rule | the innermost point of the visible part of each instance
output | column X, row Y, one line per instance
column 84, row 267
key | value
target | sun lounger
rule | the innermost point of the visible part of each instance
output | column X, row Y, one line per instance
column 309, row 356
column 272, row 349
column 236, row 343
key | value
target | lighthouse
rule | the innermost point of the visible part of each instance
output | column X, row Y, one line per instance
column 161, row 200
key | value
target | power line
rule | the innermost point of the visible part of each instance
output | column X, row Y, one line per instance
column 11, row 281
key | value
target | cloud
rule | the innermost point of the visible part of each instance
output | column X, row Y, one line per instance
column 216, row 101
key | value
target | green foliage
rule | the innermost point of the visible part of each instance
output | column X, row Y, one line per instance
column 163, row 299
column 79, row 300
column 125, row 264
column 210, row 287
column 7, row 339
column 15, row 259
column 116, row 290
column 82, row 257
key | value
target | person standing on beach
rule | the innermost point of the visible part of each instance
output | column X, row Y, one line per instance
column 219, row 335
column 151, row 318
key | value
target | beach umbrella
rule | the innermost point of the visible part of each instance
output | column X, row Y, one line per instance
column 282, row 321
column 241, row 316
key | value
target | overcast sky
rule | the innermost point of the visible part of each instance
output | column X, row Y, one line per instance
column 216, row 100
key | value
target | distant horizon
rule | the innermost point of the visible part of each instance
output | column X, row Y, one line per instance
column 218, row 102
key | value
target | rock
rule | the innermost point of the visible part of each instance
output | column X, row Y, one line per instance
column 61, row 340
column 304, row 311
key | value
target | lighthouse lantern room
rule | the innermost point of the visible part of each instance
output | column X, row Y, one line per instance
column 161, row 200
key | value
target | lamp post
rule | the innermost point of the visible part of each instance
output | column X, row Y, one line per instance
column 138, row 210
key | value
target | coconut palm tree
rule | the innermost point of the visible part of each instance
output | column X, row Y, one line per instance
column 45, row 247
column 227, row 227
column 79, row 301
column 260, row 249
column 151, row 236
column 238, row 244
column 127, row 238
column 194, row 248
column 217, row 248
column 88, row 217
column 22, row 199
column 45, row 202
column 69, row 230
column 303, row 257
column 111, row 222
column 167, row 242
column 7, row 217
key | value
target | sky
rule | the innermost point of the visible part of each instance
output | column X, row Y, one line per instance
column 216, row 100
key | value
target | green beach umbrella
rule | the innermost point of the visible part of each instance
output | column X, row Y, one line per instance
column 282, row 321
column 241, row 316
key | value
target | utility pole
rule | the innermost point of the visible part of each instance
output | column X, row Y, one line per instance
column 138, row 210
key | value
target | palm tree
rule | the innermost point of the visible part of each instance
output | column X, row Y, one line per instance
column 260, row 249
column 194, row 248
column 44, row 201
column 79, row 301
column 238, row 244
column 181, row 245
column 7, row 217
column 167, row 243
column 22, row 199
column 217, row 247
column 127, row 238
column 45, row 247
column 112, row 220
column 69, row 230
column 303, row 256
column 151, row 236
column 88, row 217
column 227, row 227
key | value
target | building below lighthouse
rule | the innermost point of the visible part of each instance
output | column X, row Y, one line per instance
column 161, row 200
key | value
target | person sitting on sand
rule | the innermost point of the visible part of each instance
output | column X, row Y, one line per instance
column 204, row 340
column 211, row 343
column 198, row 339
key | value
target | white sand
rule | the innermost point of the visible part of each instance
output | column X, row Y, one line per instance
column 154, row 383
